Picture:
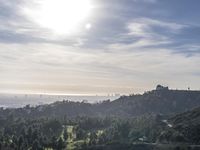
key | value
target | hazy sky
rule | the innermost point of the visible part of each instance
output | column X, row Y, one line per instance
column 98, row 46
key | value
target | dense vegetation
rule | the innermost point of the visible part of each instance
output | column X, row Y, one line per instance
column 144, row 132
column 136, row 122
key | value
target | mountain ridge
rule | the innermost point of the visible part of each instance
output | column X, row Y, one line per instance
column 160, row 101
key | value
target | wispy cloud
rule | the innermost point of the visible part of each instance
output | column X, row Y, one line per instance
column 129, row 48
column 145, row 27
column 44, row 65
column 146, row 34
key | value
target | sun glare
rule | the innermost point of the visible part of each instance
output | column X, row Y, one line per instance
column 60, row 16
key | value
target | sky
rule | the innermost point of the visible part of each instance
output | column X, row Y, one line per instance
column 98, row 46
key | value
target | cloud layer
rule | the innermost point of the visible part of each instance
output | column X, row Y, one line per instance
column 132, row 46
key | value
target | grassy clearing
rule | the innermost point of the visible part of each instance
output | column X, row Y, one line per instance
column 71, row 142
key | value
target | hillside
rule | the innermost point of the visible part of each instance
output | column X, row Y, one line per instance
column 188, row 125
column 154, row 120
column 159, row 101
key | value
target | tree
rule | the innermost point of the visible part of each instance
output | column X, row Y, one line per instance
column 36, row 145
column 65, row 135
column 53, row 142
column 29, row 136
column 35, row 135
column 102, row 139
column 20, row 142
column 80, row 133
column 93, row 138
column 60, row 144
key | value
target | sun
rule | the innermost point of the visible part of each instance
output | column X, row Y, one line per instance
column 60, row 16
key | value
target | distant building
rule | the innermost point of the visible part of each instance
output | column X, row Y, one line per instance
column 160, row 87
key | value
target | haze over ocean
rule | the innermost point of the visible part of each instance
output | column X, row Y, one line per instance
column 21, row 100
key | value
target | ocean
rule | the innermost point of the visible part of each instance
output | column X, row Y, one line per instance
column 21, row 100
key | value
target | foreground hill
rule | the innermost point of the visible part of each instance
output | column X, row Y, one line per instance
column 25, row 129
column 187, row 125
column 159, row 101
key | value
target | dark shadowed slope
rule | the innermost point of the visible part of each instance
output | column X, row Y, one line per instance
column 182, row 128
